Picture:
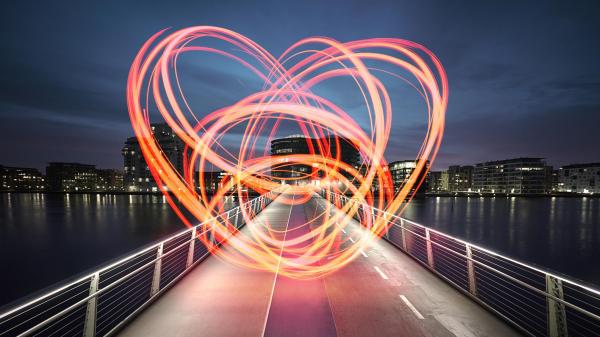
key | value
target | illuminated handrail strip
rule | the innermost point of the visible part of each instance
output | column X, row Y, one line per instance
column 539, row 270
column 471, row 279
column 541, row 292
column 118, row 262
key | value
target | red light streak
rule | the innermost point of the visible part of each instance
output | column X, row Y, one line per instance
column 318, row 247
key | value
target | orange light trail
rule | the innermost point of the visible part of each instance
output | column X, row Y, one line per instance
column 318, row 247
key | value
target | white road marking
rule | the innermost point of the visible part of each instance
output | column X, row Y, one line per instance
column 383, row 276
column 342, row 228
column 411, row 307
column 277, row 272
column 363, row 253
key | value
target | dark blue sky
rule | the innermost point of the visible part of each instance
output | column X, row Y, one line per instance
column 524, row 76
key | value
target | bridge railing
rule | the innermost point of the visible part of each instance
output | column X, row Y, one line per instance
column 538, row 302
column 103, row 301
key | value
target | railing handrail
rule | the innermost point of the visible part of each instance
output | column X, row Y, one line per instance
column 533, row 288
column 489, row 277
column 487, row 250
column 121, row 261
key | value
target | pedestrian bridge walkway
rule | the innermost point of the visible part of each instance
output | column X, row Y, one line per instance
column 416, row 282
column 382, row 293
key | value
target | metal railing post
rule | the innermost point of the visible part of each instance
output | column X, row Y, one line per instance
column 429, row 249
column 190, row 257
column 373, row 216
column 83, row 309
column 89, row 328
column 471, row 270
column 557, row 318
column 403, row 232
column 237, row 214
column 157, row 267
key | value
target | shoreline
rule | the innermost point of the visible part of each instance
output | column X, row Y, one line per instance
column 507, row 195
column 418, row 196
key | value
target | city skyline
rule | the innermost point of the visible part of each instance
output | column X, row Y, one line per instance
column 70, row 105
column 517, row 176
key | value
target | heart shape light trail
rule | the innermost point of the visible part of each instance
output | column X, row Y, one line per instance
column 319, row 248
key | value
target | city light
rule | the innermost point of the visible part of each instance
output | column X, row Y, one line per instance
column 153, row 86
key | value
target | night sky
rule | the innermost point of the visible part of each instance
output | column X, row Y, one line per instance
column 524, row 76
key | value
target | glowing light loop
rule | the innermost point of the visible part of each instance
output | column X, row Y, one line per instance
column 318, row 247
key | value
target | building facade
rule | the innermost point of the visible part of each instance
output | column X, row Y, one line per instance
column 512, row 176
column 434, row 182
column 555, row 181
column 445, row 181
column 579, row 178
column 460, row 178
column 293, row 173
column 136, row 173
column 215, row 180
column 290, row 173
column 21, row 179
column 71, row 177
column 110, row 180
column 400, row 172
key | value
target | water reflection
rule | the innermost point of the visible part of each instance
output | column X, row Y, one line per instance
column 55, row 236
column 51, row 237
column 562, row 234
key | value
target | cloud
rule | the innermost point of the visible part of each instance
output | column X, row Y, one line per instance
column 523, row 75
column 547, row 132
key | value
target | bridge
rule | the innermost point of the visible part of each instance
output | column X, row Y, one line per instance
column 415, row 282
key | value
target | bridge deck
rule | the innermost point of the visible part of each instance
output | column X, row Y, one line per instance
column 381, row 293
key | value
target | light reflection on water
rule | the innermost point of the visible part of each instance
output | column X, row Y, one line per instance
column 562, row 234
column 46, row 238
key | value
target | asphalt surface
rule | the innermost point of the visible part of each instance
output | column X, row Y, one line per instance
column 383, row 292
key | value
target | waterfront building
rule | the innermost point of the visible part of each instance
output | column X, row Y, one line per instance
column 551, row 179
column 400, row 172
column 555, row 180
column 434, row 182
column 109, row 180
column 294, row 144
column 512, row 176
column 579, row 178
column 444, row 181
column 71, row 177
column 460, row 178
column 214, row 180
column 21, row 179
column 136, row 173
column 299, row 144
